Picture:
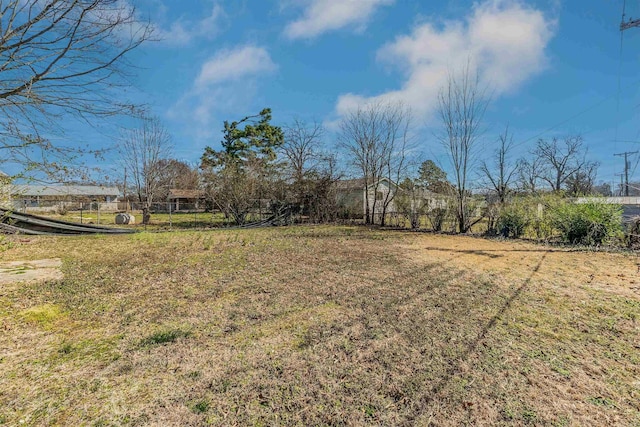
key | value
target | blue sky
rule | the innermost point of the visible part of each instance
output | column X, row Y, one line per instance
column 553, row 66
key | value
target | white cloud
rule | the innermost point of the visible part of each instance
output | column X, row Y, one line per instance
column 505, row 40
column 182, row 32
column 227, row 82
column 321, row 16
column 235, row 64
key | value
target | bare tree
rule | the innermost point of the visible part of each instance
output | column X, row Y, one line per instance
column 561, row 160
column 301, row 151
column 461, row 107
column 312, row 173
column 61, row 58
column 143, row 152
column 176, row 174
column 501, row 174
column 320, row 199
column 375, row 138
column 582, row 182
column 397, row 146
column 411, row 202
column 301, row 145
column 234, row 189
column 529, row 171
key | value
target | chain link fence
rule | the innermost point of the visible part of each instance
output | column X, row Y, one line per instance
column 163, row 215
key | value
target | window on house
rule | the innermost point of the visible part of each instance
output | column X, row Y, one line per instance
column 379, row 195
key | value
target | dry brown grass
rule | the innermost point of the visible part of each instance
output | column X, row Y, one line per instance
column 319, row 326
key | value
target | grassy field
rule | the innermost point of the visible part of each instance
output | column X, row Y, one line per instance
column 319, row 326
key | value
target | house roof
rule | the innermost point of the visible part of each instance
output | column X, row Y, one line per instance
column 64, row 190
column 177, row 193
column 350, row 184
column 383, row 179
column 358, row 183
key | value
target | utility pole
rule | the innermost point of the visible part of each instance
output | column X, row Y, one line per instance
column 625, row 25
column 626, row 169
column 619, row 192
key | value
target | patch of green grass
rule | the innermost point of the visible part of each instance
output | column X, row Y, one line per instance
column 194, row 375
column 20, row 270
column 66, row 348
column 561, row 422
column 201, row 407
column 369, row 411
column 43, row 315
column 164, row 336
column 602, row 401
column 5, row 244
column 529, row 416
column 508, row 413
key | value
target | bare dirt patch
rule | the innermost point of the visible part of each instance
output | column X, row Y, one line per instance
column 25, row 271
column 618, row 273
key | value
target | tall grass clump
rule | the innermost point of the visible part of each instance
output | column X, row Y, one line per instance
column 5, row 243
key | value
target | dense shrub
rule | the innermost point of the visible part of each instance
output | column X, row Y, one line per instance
column 543, row 206
column 591, row 223
column 634, row 233
column 512, row 220
column 437, row 218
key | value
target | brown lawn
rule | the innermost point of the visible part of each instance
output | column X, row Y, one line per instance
column 319, row 326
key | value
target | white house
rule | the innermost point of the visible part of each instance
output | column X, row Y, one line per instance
column 38, row 197
column 352, row 197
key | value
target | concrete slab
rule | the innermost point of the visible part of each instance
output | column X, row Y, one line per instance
column 26, row 271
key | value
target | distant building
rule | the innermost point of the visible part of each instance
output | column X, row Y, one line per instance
column 185, row 199
column 54, row 196
column 630, row 205
column 351, row 197
column 5, row 192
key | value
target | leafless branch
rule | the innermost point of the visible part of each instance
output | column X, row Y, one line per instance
column 61, row 59
column 461, row 107
column 501, row 174
column 375, row 137
column 143, row 152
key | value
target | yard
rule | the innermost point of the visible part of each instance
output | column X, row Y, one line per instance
column 318, row 326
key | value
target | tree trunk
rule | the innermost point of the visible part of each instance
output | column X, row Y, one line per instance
column 367, row 219
column 462, row 226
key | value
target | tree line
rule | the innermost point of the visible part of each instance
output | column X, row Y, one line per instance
column 69, row 59
column 269, row 168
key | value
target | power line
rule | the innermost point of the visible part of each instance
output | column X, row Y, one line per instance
column 630, row 141
column 626, row 169
column 624, row 6
column 633, row 172
column 584, row 111
column 623, row 26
